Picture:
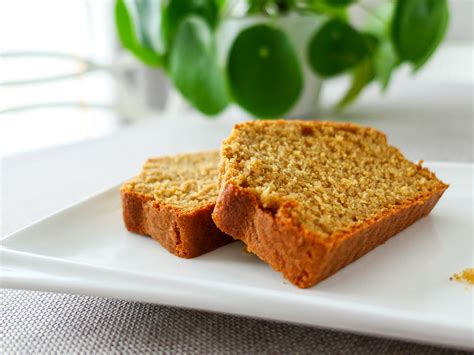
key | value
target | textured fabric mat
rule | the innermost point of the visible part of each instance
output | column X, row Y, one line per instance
column 39, row 322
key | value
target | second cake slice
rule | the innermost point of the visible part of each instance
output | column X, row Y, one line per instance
column 172, row 200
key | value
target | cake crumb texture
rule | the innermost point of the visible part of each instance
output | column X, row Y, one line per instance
column 184, row 181
column 172, row 200
column 467, row 275
column 329, row 177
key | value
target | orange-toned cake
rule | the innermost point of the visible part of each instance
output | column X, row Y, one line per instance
column 172, row 199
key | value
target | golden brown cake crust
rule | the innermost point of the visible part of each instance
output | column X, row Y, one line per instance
column 303, row 258
column 300, row 254
column 172, row 200
column 186, row 235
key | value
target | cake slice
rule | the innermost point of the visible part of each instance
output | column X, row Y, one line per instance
column 172, row 199
column 310, row 197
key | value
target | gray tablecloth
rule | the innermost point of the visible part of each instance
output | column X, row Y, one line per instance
column 37, row 322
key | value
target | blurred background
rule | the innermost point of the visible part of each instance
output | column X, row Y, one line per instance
column 65, row 78
column 80, row 114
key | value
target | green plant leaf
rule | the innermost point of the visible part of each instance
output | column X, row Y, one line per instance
column 257, row 6
column 385, row 61
column 371, row 41
column 384, row 56
column 177, row 10
column 194, row 69
column 418, row 27
column 336, row 47
column 379, row 23
column 321, row 7
column 221, row 4
column 362, row 75
column 144, row 15
column 148, row 17
column 129, row 38
column 264, row 72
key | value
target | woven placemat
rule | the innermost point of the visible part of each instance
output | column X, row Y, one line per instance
column 39, row 322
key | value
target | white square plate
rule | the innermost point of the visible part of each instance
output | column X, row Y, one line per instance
column 401, row 289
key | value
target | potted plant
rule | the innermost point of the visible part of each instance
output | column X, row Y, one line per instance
column 270, row 56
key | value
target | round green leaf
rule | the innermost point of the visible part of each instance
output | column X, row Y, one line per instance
column 418, row 27
column 264, row 72
column 176, row 10
column 194, row 69
column 129, row 39
column 336, row 47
